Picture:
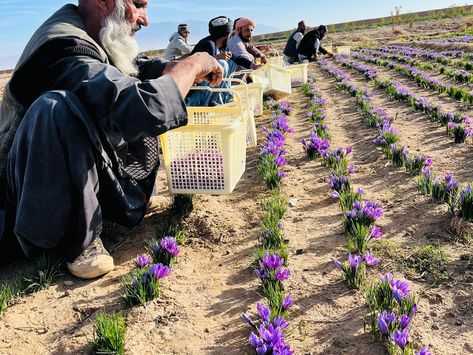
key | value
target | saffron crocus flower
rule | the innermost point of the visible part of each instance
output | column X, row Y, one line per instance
column 263, row 311
column 400, row 289
column 170, row 245
column 351, row 169
column 384, row 321
column 280, row 322
column 273, row 261
column 338, row 264
column 287, row 302
column 401, row 338
column 404, row 321
column 142, row 260
column 424, row 351
column 354, row 261
column 370, row 259
column 280, row 160
column 282, row 174
column 282, row 274
column 375, row 232
column 413, row 310
column 248, row 320
column 159, row 271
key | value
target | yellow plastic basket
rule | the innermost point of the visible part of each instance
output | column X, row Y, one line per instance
column 241, row 101
column 276, row 80
column 207, row 156
column 275, row 59
column 344, row 50
column 255, row 92
column 248, row 115
column 298, row 74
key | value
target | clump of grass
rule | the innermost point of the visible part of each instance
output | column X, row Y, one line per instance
column 429, row 259
column 109, row 334
column 8, row 292
column 41, row 274
column 183, row 204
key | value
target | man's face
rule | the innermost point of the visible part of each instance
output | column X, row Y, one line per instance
column 136, row 14
column 246, row 32
column 185, row 33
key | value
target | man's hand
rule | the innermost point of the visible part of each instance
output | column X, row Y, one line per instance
column 224, row 55
column 329, row 54
column 196, row 68
column 264, row 60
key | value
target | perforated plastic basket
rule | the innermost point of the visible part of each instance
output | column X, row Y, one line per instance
column 207, row 156
column 344, row 51
column 276, row 80
column 298, row 74
column 275, row 59
column 255, row 92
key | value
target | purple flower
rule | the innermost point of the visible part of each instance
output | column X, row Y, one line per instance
column 354, row 261
column 428, row 162
column 413, row 310
column 248, row 320
column 376, row 232
column 282, row 275
column 370, row 260
column 404, row 321
column 262, row 274
column 287, row 302
column 338, row 264
column 159, row 271
column 348, row 150
column 280, row 322
column 401, row 338
column 424, row 351
column 385, row 320
column 282, row 174
column 280, row 160
column 169, row 244
column 263, row 311
column 360, row 191
column 400, row 289
column 142, row 260
column 351, row 169
column 273, row 261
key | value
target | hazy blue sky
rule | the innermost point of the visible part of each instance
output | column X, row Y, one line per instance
column 19, row 18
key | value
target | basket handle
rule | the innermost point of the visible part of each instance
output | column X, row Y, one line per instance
column 233, row 92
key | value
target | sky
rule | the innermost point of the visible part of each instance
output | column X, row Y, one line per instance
column 20, row 18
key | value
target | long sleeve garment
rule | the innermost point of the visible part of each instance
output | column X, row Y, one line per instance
column 123, row 116
column 177, row 47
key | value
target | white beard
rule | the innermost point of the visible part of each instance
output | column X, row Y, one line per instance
column 116, row 38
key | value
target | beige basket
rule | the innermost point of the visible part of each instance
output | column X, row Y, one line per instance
column 255, row 91
column 275, row 59
column 208, row 156
column 276, row 80
column 344, row 51
column 298, row 74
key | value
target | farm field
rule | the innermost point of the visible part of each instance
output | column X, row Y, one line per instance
column 213, row 282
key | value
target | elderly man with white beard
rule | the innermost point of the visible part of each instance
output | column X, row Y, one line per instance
column 79, row 126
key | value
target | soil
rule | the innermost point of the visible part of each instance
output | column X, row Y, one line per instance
column 200, row 308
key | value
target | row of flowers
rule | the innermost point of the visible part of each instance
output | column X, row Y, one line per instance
column 444, row 189
column 270, row 330
column 390, row 302
column 423, row 80
column 457, row 124
column 460, row 76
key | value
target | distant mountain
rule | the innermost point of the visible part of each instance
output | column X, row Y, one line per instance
column 8, row 62
column 156, row 35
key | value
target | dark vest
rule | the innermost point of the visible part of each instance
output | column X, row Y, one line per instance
column 290, row 50
column 306, row 47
